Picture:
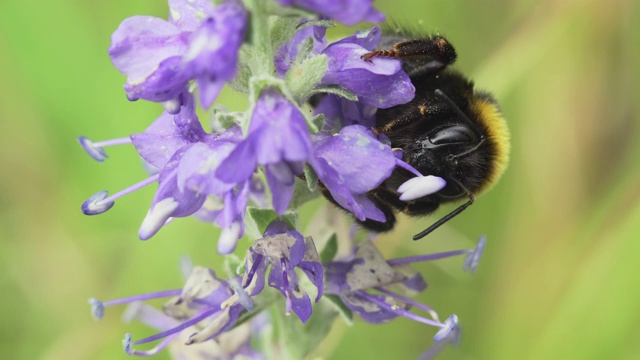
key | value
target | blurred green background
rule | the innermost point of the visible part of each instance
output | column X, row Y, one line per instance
column 560, row 278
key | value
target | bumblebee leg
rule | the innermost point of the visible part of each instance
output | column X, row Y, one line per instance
column 420, row 207
column 444, row 219
column 434, row 51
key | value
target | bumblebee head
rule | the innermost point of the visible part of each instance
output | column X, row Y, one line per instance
column 468, row 149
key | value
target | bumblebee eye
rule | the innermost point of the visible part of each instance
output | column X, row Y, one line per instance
column 457, row 134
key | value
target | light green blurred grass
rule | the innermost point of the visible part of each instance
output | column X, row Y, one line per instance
column 560, row 276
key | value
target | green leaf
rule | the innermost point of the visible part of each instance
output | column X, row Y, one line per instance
column 320, row 23
column 311, row 176
column 282, row 29
column 330, row 249
column 302, row 194
column 290, row 217
column 232, row 264
column 297, row 339
column 343, row 310
column 318, row 121
column 221, row 119
column 257, row 220
column 240, row 82
column 304, row 74
column 336, row 90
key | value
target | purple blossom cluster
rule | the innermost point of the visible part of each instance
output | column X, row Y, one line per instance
column 364, row 283
column 276, row 145
column 192, row 166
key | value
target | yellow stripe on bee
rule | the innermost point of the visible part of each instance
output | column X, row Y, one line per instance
column 491, row 118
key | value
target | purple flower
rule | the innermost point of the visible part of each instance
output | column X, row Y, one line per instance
column 212, row 56
column 368, row 271
column 187, row 159
column 351, row 164
column 169, row 133
column 169, row 201
column 157, row 145
column 284, row 249
column 288, row 52
column 198, row 42
column 340, row 112
column 348, row 12
column 148, row 51
column 200, row 301
column 278, row 138
column 380, row 83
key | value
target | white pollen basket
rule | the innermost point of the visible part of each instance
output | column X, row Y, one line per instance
column 420, row 186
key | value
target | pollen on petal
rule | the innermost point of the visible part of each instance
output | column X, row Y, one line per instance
column 157, row 217
column 449, row 330
column 96, row 152
column 420, row 186
column 97, row 308
column 472, row 259
column 95, row 204
column 172, row 106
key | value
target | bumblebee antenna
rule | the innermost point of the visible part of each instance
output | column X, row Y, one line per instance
column 450, row 215
column 456, row 109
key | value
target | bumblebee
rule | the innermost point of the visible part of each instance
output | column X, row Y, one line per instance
column 449, row 129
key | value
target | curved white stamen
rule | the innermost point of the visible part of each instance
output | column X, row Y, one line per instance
column 448, row 330
column 96, row 205
column 157, row 217
column 420, row 186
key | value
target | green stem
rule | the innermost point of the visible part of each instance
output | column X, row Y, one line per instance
column 261, row 62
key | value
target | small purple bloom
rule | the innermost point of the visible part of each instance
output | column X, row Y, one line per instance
column 169, row 133
column 169, row 201
column 148, row 50
column 351, row 164
column 201, row 299
column 284, row 249
column 288, row 52
column 279, row 139
column 212, row 56
column 198, row 42
column 340, row 112
column 380, row 83
column 348, row 12
column 188, row 14
column 187, row 158
column 368, row 271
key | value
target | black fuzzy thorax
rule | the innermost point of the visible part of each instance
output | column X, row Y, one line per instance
column 427, row 113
